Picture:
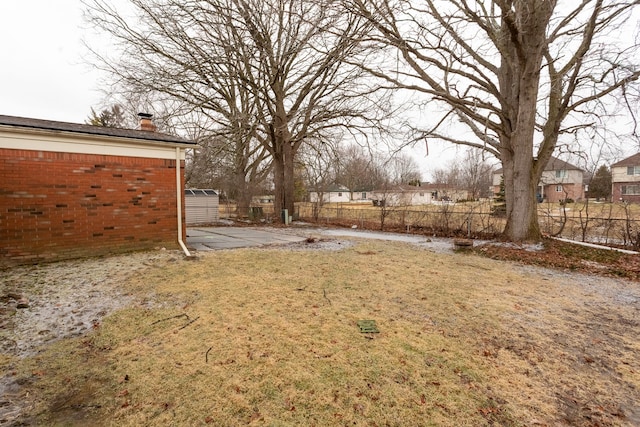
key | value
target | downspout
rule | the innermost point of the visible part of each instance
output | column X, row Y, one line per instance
column 179, row 203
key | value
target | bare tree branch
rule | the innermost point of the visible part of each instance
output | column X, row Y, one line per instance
column 518, row 74
column 268, row 73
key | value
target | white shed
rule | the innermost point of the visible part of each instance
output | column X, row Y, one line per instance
column 201, row 206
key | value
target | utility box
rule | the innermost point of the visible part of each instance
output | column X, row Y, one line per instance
column 284, row 215
column 256, row 213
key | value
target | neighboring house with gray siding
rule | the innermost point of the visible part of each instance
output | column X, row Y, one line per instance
column 625, row 180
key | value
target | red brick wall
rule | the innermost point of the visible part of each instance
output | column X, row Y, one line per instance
column 617, row 196
column 570, row 191
column 61, row 205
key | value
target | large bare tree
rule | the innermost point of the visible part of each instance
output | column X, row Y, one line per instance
column 234, row 165
column 402, row 168
column 358, row 169
column 509, row 76
column 476, row 173
column 472, row 172
column 271, row 71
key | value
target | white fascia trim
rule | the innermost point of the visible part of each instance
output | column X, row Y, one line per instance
column 40, row 140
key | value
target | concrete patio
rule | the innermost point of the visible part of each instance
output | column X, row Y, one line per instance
column 213, row 238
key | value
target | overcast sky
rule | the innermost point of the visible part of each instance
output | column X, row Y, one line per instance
column 43, row 74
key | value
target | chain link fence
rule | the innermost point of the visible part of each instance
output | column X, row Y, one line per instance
column 608, row 224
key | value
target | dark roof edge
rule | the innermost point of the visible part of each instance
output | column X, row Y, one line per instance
column 633, row 160
column 24, row 122
column 554, row 163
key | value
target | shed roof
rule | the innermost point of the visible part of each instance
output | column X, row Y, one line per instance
column 200, row 192
column 28, row 123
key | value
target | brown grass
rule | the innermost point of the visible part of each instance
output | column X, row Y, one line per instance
column 270, row 337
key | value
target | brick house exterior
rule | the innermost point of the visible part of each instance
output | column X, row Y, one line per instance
column 71, row 190
column 625, row 180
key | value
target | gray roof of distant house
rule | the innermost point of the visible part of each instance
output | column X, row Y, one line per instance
column 554, row 164
column 629, row 161
column 336, row 188
column 23, row 122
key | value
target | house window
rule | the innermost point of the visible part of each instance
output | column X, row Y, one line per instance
column 339, row 194
column 633, row 170
column 631, row 190
column 421, row 194
column 364, row 196
column 558, row 188
column 561, row 173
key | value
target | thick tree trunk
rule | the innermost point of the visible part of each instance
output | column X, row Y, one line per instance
column 278, row 182
column 522, row 51
column 284, row 181
column 522, row 208
column 522, row 214
column 289, row 181
column 243, row 200
column 283, row 161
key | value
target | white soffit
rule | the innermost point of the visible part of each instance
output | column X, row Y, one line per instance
column 42, row 140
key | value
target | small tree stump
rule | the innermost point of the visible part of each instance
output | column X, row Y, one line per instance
column 462, row 243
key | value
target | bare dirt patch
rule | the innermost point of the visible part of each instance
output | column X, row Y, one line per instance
column 270, row 336
column 42, row 304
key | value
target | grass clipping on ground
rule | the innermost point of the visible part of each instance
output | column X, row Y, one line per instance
column 271, row 337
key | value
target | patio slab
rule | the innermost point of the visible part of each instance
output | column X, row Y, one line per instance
column 213, row 238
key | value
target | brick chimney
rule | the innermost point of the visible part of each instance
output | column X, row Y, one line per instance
column 146, row 123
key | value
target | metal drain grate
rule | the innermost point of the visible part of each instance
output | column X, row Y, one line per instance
column 368, row 326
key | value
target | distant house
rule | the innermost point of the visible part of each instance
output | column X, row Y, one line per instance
column 263, row 199
column 402, row 195
column 625, row 179
column 444, row 192
column 72, row 190
column 361, row 195
column 332, row 194
column 560, row 180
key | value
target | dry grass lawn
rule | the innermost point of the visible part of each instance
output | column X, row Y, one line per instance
column 270, row 337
